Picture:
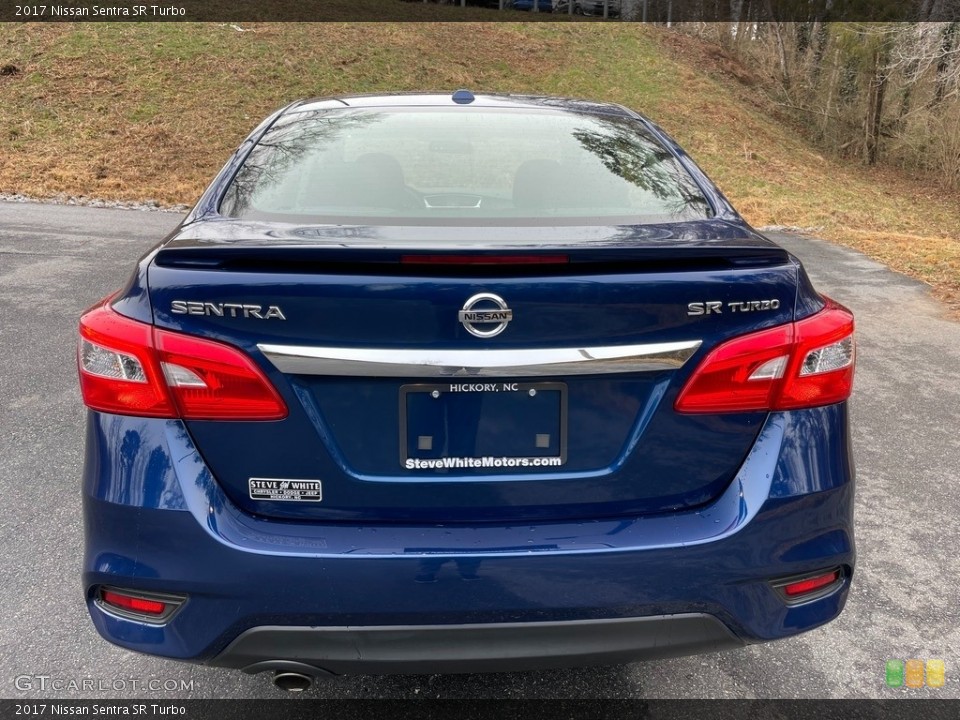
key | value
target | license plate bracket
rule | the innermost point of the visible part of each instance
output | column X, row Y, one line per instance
column 483, row 425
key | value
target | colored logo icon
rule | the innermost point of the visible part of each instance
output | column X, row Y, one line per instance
column 911, row 673
column 894, row 673
column 914, row 673
column 936, row 673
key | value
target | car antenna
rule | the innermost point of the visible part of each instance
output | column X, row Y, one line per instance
column 463, row 97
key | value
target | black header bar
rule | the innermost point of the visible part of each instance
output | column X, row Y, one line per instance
column 473, row 10
column 299, row 707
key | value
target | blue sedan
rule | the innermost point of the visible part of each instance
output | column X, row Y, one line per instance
column 458, row 383
column 542, row 5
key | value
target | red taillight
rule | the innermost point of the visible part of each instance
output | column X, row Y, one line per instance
column 213, row 381
column 119, row 372
column 131, row 368
column 802, row 364
column 810, row 585
column 133, row 604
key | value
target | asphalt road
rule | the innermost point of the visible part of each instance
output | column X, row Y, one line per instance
column 57, row 260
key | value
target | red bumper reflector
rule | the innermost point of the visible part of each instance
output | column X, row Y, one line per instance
column 804, row 587
column 134, row 604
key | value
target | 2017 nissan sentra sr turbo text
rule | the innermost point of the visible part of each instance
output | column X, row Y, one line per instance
column 434, row 383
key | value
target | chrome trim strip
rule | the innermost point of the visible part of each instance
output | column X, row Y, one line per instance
column 390, row 362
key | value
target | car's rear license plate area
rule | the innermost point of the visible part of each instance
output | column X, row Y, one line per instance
column 483, row 426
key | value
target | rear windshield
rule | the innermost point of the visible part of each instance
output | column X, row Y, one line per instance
column 461, row 166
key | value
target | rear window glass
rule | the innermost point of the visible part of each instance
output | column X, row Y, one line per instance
column 460, row 165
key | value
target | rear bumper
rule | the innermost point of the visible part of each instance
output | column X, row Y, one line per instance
column 480, row 647
column 348, row 598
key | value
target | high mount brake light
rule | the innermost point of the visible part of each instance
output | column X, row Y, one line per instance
column 484, row 259
column 131, row 368
column 806, row 363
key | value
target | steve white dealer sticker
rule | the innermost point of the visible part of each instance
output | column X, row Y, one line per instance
column 275, row 489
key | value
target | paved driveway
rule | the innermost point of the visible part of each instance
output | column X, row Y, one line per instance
column 57, row 260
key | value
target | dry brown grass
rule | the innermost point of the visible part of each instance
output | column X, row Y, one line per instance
column 127, row 111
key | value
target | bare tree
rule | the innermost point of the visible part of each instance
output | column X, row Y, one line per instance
column 884, row 92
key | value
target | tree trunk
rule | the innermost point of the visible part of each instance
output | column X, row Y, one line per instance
column 947, row 44
column 877, row 90
column 781, row 51
column 820, row 36
column 831, row 89
column 906, row 96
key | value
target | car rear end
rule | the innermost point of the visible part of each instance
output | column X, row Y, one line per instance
column 486, row 425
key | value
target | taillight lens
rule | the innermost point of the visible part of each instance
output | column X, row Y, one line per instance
column 131, row 368
column 118, row 370
column 213, row 381
column 802, row 364
column 822, row 371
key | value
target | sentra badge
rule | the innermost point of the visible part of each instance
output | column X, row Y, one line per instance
column 258, row 312
column 485, row 315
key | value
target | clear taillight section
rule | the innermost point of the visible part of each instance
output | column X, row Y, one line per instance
column 827, row 359
column 101, row 361
column 131, row 368
column 802, row 364
column 822, row 366
column 118, row 371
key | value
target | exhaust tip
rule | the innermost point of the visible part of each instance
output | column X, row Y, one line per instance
column 292, row 681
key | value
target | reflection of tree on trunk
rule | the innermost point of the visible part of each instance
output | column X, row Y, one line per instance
column 285, row 145
column 643, row 164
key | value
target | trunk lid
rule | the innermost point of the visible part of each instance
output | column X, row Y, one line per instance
column 403, row 414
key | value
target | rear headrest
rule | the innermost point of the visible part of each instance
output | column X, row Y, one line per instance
column 374, row 180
